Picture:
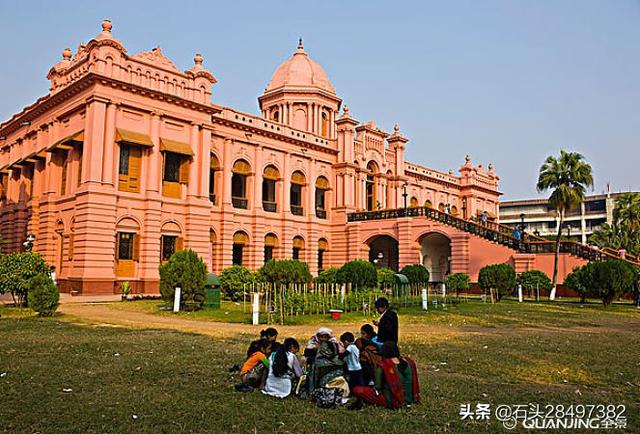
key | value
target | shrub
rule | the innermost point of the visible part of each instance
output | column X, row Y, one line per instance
column 360, row 274
column 458, row 281
column 497, row 279
column 233, row 280
column 533, row 281
column 386, row 277
column 580, row 279
column 285, row 272
column 416, row 273
column 16, row 270
column 185, row 269
column 611, row 279
column 327, row 276
column 43, row 295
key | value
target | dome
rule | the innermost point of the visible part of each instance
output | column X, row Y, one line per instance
column 300, row 71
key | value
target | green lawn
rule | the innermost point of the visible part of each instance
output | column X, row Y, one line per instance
column 152, row 381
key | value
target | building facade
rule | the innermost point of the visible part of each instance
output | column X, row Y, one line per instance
column 127, row 160
column 579, row 223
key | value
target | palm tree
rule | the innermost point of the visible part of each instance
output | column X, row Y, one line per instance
column 568, row 177
column 627, row 210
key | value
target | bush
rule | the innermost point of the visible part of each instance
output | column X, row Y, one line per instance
column 580, row 279
column 611, row 279
column 233, row 280
column 497, row 279
column 43, row 295
column 533, row 281
column 416, row 273
column 185, row 269
column 360, row 274
column 327, row 276
column 285, row 272
column 16, row 270
column 386, row 277
column 458, row 281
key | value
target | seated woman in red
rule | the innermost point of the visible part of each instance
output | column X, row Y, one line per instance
column 396, row 382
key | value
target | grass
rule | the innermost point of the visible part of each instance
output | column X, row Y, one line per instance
column 154, row 381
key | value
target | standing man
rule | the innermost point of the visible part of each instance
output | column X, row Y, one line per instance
column 388, row 322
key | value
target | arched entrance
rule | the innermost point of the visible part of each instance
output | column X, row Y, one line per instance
column 435, row 255
column 383, row 252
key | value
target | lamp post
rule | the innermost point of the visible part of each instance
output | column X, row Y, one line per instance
column 28, row 244
column 522, row 221
column 404, row 194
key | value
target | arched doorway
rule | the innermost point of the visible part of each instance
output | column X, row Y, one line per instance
column 383, row 252
column 435, row 255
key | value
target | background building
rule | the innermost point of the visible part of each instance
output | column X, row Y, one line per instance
column 579, row 223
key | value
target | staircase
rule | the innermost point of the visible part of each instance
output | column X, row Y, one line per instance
column 495, row 232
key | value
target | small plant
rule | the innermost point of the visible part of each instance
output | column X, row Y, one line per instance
column 416, row 273
column 125, row 290
column 185, row 269
column 43, row 295
column 360, row 274
column 497, row 280
column 327, row 276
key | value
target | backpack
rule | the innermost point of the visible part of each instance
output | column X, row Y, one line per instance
column 325, row 397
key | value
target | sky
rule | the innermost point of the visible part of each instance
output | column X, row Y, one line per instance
column 508, row 82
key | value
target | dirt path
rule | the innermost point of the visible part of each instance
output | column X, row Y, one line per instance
column 100, row 314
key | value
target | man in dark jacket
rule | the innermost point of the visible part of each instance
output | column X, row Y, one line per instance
column 388, row 323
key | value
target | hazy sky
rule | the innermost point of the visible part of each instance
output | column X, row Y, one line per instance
column 508, row 82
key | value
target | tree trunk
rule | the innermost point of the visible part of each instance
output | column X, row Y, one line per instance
column 554, row 281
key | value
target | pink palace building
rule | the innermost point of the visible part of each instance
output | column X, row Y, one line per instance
column 127, row 160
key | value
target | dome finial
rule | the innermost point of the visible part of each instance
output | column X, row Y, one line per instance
column 106, row 25
column 300, row 46
column 66, row 54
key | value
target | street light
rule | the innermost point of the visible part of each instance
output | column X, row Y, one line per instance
column 522, row 221
column 28, row 244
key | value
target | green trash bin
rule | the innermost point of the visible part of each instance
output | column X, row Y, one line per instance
column 212, row 299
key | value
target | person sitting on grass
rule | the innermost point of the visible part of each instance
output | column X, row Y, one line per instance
column 396, row 383
column 322, row 355
column 271, row 335
column 284, row 368
column 352, row 360
column 254, row 370
column 369, row 348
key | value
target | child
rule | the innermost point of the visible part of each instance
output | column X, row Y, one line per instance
column 254, row 370
column 283, row 368
column 352, row 360
column 369, row 334
column 369, row 346
column 271, row 335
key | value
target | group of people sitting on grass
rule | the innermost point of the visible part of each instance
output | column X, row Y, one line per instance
column 368, row 369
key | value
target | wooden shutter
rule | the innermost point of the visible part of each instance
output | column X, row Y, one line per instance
column 135, row 158
column 179, row 244
column 70, row 247
column 136, row 248
column 183, row 176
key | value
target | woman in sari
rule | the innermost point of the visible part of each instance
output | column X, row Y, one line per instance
column 322, row 354
column 396, row 381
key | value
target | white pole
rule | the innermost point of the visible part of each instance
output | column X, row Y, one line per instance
column 520, row 293
column 256, row 309
column 176, row 299
column 425, row 301
column 343, row 290
column 552, row 296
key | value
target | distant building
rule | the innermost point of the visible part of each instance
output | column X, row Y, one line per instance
column 579, row 223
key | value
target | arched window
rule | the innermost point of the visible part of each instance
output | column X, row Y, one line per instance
column 276, row 116
column 322, row 185
column 127, row 247
column 214, row 167
column 270, row 177
column 413, row 203
column 441, row 207
column 428, row 204
column 240, row 239
column 454, row 210
column 170, row 240
column 325, row 125
column 323, row 246
column 270, row 243
column 372, row 201
column 297, row 192
column 298, row 247
column 241, row 172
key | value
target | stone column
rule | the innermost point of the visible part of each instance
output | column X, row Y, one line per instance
column 154, row 168
column 93, row 148
column 109, row 145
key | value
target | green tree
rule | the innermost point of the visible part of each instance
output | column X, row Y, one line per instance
column 497, row 280
column 624, row 231
column 627, row 210
column 233, row 280
column 386, row 277
column 285, row 272
column 16, row 270
column 327, row 276
column 568, row 177
column 43, row 295
column 458, row 282
column 610, row 279
column 533, row 281
column 416, row 273
column 360, row 274
column 184, row 269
